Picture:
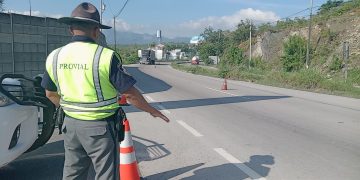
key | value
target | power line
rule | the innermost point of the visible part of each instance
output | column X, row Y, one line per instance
column 289, row 16
column 296, row 13
column 115, row 16
column 121, row 10
column 109, row 7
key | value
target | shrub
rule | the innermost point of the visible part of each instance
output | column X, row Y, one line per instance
column 307, row 78
column 224, row 70
column 336, row 64
column 206, row 50
column 233, row 56
column 330, row 4
column 294, row 53
column 258, row 63
column 354, row 76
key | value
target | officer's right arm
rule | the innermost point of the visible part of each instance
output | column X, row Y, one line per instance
column 124, row 83
column 137, row 100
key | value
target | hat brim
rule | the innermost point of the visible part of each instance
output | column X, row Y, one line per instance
column 72, row 20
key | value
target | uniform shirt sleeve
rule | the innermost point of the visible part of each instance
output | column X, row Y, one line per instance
column 121, row 80
column 47, row 83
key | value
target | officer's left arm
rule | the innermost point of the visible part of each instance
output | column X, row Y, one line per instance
column 54, row 97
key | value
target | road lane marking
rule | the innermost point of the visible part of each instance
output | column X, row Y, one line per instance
column 164, row 109
column 142, row 92
column 226, row 93
column 150, row 99
column 251, row 173
column 221, row 91
column 160, row 106
column 190, row 129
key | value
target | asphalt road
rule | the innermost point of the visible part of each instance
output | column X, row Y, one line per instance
column 247, row 132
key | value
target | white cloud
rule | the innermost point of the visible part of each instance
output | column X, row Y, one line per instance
column 195, row 27
column 229, row 22
column 37, row 13
column 189, row 28
column 121, row 25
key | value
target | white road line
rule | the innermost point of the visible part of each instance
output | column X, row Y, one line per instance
column 222, row 91
column 226, row 93
column 190, row 129
column 251, row 173
column 164, row 109
column 150, row 99
column 142, row 92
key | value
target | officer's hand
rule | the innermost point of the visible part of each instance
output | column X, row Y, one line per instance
column 160, row 115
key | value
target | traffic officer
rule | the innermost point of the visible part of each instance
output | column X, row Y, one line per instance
column 85, row 78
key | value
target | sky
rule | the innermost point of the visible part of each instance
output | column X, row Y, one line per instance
column 175, row 18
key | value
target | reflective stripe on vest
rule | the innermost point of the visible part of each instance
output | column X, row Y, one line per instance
column 96, row 75
column 81, row 98
column 91, row 105
column 55, row 62
column 86, row 110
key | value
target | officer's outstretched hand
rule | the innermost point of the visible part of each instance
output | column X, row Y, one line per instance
column 157, row 113
column 136, row 99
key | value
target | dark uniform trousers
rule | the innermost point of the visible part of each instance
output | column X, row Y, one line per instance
column 90, row 142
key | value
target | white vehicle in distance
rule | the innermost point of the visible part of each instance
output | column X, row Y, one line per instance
column 26, row 116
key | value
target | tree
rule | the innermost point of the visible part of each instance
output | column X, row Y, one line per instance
column 209, row 35
column 233, row 55
column 242, row 32
column 129, row 54
column 329, row 5
column 294, row 53
column 152, row 45
column 264, row 27
column 205, row 50
column 213, row 45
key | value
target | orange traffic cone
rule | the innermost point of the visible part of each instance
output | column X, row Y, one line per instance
column 128, row 164
column 122, row 101
column 224, row 86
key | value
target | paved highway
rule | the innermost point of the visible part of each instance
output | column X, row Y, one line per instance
column 248, row 132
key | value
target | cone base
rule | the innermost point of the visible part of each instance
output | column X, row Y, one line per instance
column 129, row 171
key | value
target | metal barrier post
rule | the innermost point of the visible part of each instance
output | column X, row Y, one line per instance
column 12, row 42
column 46, row 38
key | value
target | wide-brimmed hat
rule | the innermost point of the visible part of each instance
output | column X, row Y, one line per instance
column 85, row 12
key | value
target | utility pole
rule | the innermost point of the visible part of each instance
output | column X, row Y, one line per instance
column 114, row 33
column 346, row 53
column 250, row 54
column 218, row 50
column 30, row 6
column 115, row 16
column 309, row 37
column 101, row 10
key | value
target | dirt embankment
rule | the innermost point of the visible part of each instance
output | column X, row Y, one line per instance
column 327, row 40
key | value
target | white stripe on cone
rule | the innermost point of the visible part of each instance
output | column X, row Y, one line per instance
column 127, row 142
column 128, row 158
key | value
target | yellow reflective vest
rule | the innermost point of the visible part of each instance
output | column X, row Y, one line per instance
column 81, row 72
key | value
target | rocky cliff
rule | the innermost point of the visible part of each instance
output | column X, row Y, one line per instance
column 327, row 40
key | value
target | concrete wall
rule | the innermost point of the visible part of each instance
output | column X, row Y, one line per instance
column 26, row 41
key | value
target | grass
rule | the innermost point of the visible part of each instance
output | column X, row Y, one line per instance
column 194, row 69
column 305, row 79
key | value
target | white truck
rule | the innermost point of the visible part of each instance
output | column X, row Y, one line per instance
column 146, row 56
column 27, row 118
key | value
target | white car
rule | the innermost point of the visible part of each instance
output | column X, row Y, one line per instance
column 26, row 116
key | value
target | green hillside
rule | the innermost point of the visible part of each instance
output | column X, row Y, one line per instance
column 279, row 51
